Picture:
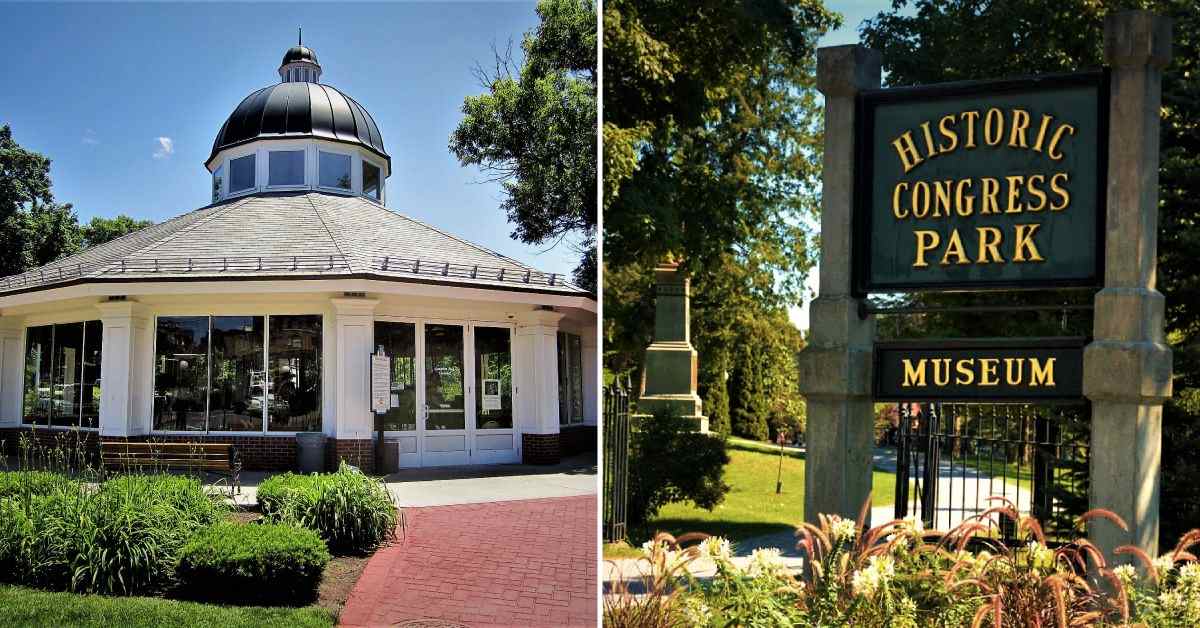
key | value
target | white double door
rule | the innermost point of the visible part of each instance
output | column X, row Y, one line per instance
column 442, row 417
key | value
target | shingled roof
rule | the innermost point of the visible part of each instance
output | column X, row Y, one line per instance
column 309, row 235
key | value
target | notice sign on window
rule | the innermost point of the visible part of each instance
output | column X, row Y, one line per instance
column 381, row 383
column 491, row 394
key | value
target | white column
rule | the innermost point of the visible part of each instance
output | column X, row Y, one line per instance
column 354, row 323
column 11, row 372
column 537, row 372
column 591, row 376
column 126, row 369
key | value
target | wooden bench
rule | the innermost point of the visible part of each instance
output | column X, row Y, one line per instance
column 220, row 459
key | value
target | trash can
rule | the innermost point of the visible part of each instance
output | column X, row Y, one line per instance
column 391, row 457
column 310, row 452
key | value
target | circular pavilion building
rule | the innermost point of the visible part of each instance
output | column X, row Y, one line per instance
column 259, row 316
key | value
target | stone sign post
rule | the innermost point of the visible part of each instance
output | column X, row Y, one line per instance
column 835, row 367
column 1127, row 368
column 669, row 377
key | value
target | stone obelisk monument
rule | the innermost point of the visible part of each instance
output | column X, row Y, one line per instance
column 669, row 376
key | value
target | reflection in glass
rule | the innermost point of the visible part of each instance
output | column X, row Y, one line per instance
column 444, row 378
column 570, row 379
column 180, row 373
column 493, row 378
column 371, row 176
column 39, row 346
column 399, row 342
column 294, row 371
column 93, row 342
column 334, row 170
column 241, row 173
column 238, row 378
column 285, row 167
column 67, row 374
column 218, row 178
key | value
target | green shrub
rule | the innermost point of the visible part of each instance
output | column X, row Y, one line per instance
column 670, row 462
column 121, row 538
column 351, row 511
column 25, row 483
column 240, row 561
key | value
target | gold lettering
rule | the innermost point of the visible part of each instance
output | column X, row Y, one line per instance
column 920, row 199
column 1036, row 191
column 907, row 149
column 900, row 214
column 1008, row 371
column 991, row 188
column 968, row 208
column 1041, row 374
column 926, row 240
column 1060, row 191
column 1020, row 124
column 1025, row 244
column 1014, row 193
column 944, row 126
column 993, row 127
column 955, row 247
column 971, row 117
column 987, row 371
column 966, row 376
column 942, row 197
column 914, row 376
column 989, row 245
column 929, row 149
column 1057, row 137
column 941, row 371
column 1046, row 118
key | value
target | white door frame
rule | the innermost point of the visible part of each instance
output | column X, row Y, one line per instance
column 494, row 456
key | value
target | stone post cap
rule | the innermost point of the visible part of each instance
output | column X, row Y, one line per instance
column 847, row 70
column 1137, row 38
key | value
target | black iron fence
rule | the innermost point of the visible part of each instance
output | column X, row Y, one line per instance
column 615, row 426
column 951, row 457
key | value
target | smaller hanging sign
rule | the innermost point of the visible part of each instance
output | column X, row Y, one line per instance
column 381, row 382
column 491, row 394
column 1021, row 369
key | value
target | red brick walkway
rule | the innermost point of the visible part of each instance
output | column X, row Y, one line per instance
column 518, row 563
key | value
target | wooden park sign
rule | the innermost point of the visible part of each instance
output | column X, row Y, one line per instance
column 1024, row 369
column 981, row 185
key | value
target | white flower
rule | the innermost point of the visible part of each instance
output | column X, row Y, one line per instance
column 717, row 548
column 915, row 523
column 1163, row 565
column 766, row 561
column 696, row 611
column 843, row 529
column 1189, row 577
column 1126, row 574
column 878, row 572
column 1040, row 556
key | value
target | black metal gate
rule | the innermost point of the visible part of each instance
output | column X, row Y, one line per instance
column 615, row 425
column 950, row 457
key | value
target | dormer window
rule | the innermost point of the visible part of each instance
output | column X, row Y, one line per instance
column 285, row 167
column 334, row 171
column 241, row 173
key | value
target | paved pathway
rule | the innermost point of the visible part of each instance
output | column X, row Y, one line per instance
column 517, row 563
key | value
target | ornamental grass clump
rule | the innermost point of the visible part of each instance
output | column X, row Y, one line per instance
column 900, row 575
column 253, row 562
column 352, row 512
column 26, row 483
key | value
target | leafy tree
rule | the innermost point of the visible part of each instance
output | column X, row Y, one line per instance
column 669, row 462
column 535, row 131
column 949, row 40
column 100, row 230
column 34, row 229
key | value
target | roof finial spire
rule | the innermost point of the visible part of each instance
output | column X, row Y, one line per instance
column 301, row 35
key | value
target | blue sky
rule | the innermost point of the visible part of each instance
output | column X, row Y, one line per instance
column 95, row 86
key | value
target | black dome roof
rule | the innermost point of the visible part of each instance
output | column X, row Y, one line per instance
column 299, row 53
column 299, row 110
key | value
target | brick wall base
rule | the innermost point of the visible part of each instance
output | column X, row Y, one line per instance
column 540, row 449
column 577, row 439
column 357, row 452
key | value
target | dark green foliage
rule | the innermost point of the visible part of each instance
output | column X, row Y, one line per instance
column 670, row 462
column 352, row 512
column 26, row 483
column 120, row 538
column 100, row 229
column 535, row 130
column 248, row 562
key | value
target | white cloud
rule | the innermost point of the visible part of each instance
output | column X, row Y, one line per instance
column 89, row 138
column 166, row 147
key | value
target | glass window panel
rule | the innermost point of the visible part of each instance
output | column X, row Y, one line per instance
column 493, row 378
column 241, row 173
column 371, row 176
column 294, row 371
column 238, row 378
column 180, row 373
column 93, row 344
column 564, row 391
column 218, row 178
column 67, row 374
column 444, row 378
column 334, row 170
column 399, row 341
column 39, row 346
column 575, row 356
column 285, row 167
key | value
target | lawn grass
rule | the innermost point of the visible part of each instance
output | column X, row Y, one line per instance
column 752, row 508
column 20, row 606
column 620, row 549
